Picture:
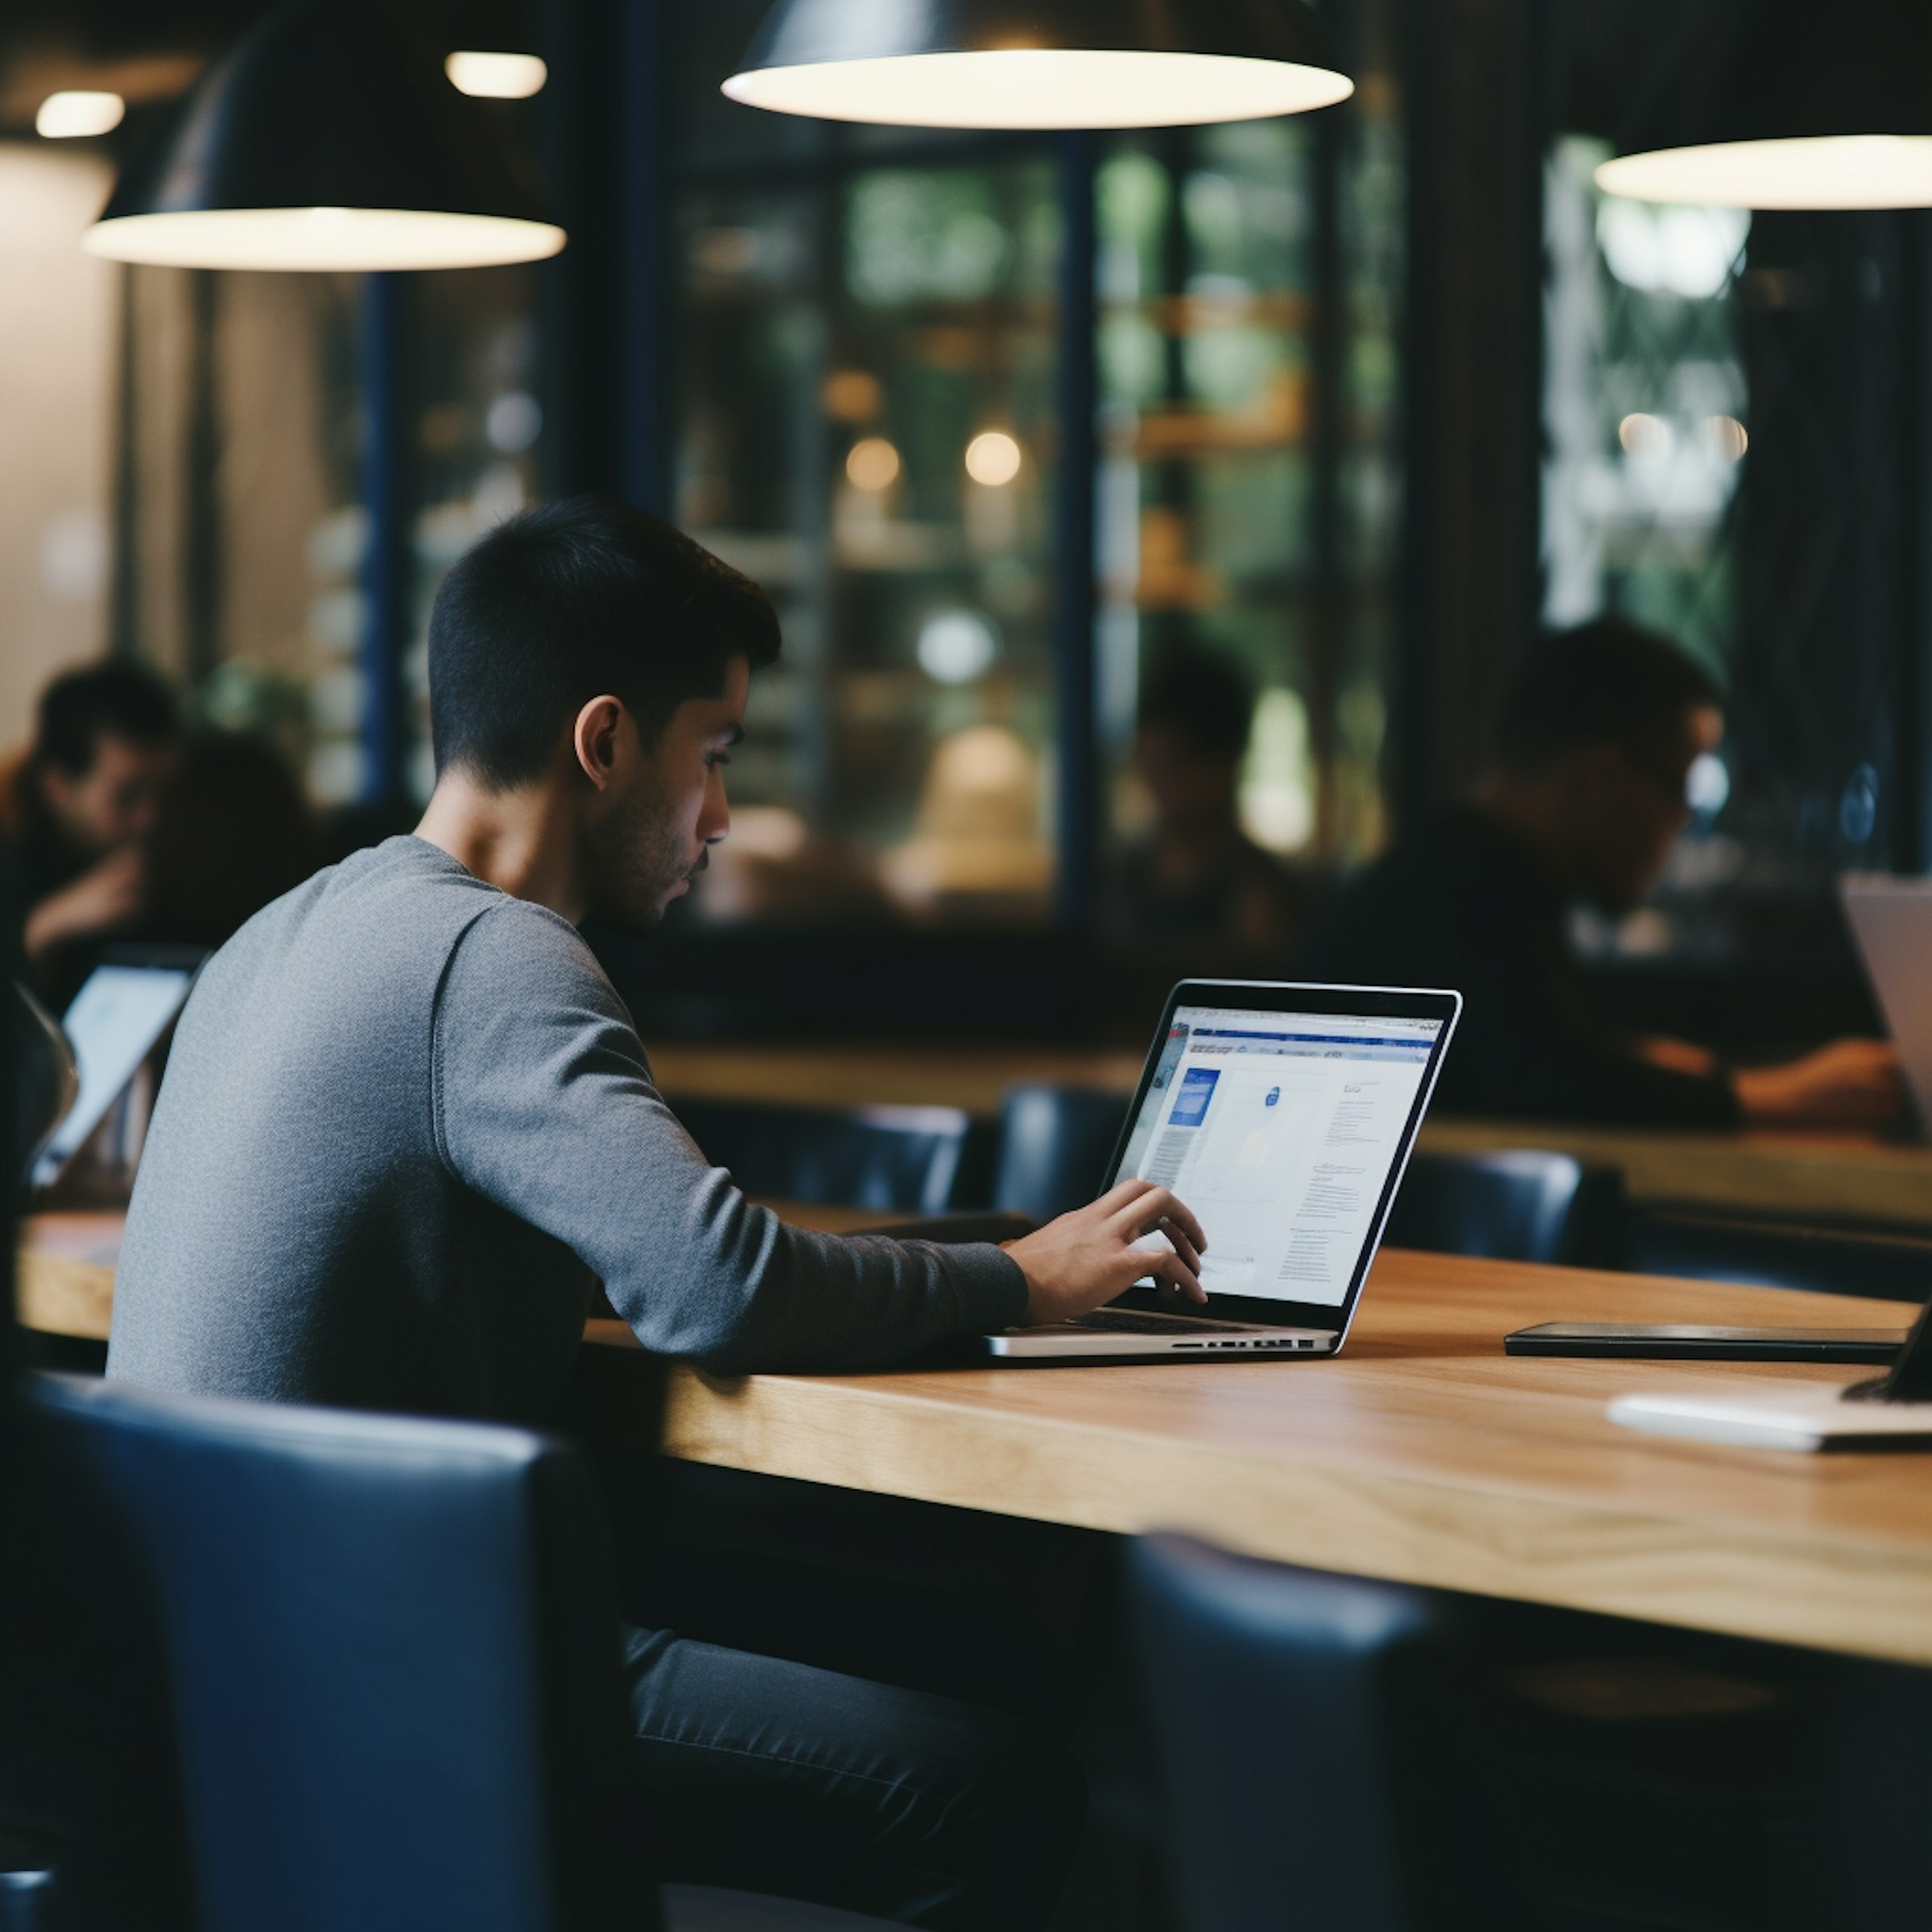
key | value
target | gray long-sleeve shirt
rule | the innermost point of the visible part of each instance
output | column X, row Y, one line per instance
column 407, row 1125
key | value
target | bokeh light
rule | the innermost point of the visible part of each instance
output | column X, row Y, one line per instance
column 992, row 457
column 872, row 464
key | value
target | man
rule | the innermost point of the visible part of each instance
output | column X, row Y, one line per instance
column 1196, row 875
column 407, row 1125
column 1599, row 734
column 76, row 808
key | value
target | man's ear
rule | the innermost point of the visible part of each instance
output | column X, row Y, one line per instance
column 597, row 738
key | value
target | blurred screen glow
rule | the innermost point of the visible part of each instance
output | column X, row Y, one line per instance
column 1042, row 87
column 353, row 239
column 497, row 77
column 67, row 117
column 1823, row 171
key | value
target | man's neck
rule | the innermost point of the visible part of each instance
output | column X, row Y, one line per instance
column 523, row 841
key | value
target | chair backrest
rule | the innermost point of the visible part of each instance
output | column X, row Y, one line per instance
column 1054, row 1144
column 1524, row 1205
column 1320, row 1749
column 1713, row 1246
column 909, row 1159
column 392, row 1646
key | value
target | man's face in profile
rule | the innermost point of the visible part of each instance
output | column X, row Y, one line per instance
column 655, row 834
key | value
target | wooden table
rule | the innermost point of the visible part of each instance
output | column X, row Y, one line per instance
column 65, row 1280
column 1850, row 1177
column 873, row 1073
column 1422, row 1453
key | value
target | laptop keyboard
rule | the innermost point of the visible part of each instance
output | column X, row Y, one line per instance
column 1114, row 1322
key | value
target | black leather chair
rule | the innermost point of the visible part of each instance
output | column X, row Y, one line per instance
column 1517, row 1206
column 1054, row 1144
column 1320, row 1754
column 1716, row 1247
column 914, row 1160
column 390, row 1650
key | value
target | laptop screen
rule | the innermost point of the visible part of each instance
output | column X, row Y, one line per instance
column 114, row 1023
column 1279, row 1130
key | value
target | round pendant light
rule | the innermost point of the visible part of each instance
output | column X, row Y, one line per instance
column 1040, row 64
column 327, row 138
column 1791, row 106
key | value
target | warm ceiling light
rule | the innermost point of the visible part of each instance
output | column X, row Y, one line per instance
column 1823, row 171
column 346, row 238
column 497, row 77
column 993, row 458
column 327, row 138
column 1784, row 104
column 67, row 117
column 1054, row 63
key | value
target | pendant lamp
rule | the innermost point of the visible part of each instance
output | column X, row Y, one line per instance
column 1791, row 106
column 1040, row 64
column 327, row 138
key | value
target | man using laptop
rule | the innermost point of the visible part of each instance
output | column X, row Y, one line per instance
column 407, row 1127
column 1599, row 734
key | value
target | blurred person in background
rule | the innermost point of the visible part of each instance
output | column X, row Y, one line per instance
column 1599, row 732
column 76, row 807
column 1196, row 874
column 232, row 832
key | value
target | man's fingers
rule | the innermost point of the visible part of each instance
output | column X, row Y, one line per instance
column 1174, row 1232
column 1115, row 1199
column 1146, row 1212
column 1171, row 1269
column 1181, row 1216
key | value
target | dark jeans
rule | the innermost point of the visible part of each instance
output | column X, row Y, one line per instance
column 777, row 1776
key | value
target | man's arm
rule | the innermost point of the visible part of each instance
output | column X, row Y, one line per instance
column 545, row 1105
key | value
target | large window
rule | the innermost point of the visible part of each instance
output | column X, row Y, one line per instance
column 1247, row 359
column 993, row 490
column 1729, row 453
column 867, row 396
column 865, row 377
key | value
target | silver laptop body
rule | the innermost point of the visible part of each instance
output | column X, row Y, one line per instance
column 1284, row 1115
column 1892, row 920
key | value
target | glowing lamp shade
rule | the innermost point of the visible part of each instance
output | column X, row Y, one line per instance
column 327, row 138
column 77, row 114
column 497, row 77
column 1818, row 171
column 1044, row 64
column 1787, row 105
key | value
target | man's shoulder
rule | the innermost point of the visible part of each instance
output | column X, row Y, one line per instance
column 383, row 904
column 515, row 948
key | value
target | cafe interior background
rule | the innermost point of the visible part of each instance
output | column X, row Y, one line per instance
column 1355, row 399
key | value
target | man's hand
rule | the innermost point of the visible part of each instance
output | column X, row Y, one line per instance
column 1849, row 1083
column 1087, row 1257
column 104, row 898
column 1680, row 1056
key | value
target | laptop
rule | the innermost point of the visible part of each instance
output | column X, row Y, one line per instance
column 1892, row 920
column 117, row 1019
column 1283, row 1116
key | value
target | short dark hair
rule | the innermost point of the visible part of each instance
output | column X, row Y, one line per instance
column 1608, row 682
column 568, row 600
column 81, row 708
column 1202, row 696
